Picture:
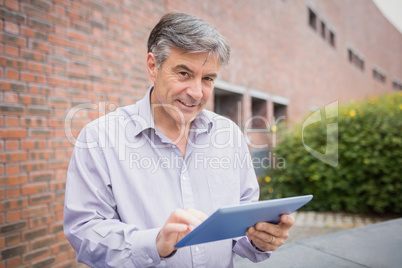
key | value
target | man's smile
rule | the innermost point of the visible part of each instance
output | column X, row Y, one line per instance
column 187, row 104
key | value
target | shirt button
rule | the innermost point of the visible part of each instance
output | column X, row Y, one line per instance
column 197, row 249
column 183, row 178
column 173, row 146
column 149, row 260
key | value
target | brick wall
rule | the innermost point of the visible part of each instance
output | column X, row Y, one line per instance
column 54, row 56
column 58, row 54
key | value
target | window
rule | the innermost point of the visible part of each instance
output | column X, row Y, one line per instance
column 350, row 53
column 259, row 113
column 355, row 59
column 396, row 85
column 378, row 75
column 315, row 22
column 312, row 19
column 280, row 110
column 323, row 29
column 228, row 104
column 332, row 38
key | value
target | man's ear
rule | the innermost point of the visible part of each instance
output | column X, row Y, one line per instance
column 152, row 66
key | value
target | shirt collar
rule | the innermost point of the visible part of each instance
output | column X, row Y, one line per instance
column 202, row 122
column 144, row 118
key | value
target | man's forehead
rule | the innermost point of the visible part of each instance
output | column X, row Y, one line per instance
column 180, row 57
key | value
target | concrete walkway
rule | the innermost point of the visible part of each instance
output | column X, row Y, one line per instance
column 353, row 241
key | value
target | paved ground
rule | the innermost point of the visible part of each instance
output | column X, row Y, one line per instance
column 310, row 224
column 313, row 225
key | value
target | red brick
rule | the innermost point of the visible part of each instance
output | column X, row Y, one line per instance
column 60, row 10
column 12, row 4
column 57, row 81
column 12, row 145
column 13, row 192
column 40, row 155
column 34, row 188
column 11, row 27
column 13, row 133
column 11, row 50
column 13, row 239
column 72, row 34
column 58, row 164
column 40, row 133
column 62, row 143
column 14, row 204
column 11, row 109
column 41, row 221
column 58, row 20
column 13, row 156
column 35, row 256
column 61, row 175
column 13, row 39
column 39, row 67
column 13, row 86
column 12, row 74
column 46, row 198
column 33, row 11
column 33, row 55
column 33, row 144
column 30, row 77
column 34, row 211
column 11, row 97
column 59, row 41
column 34, row 33
column 14, row 262
column 13, row 216
column 12, row 62
column 41, row 90
column 39, row 165
column 12, row 121
column 33, row 121
column 41, row 46
column 12, row 180
column 29, row 99
column 12, row 169
column 57, row 185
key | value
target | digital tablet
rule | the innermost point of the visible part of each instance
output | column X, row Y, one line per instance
column 233, row 221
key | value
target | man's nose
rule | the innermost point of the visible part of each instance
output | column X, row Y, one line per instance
column 195, row 90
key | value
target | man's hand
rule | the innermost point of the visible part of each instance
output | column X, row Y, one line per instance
column 267, row 236
column 178, row 225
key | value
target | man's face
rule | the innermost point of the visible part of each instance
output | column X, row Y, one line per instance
column 182, row 86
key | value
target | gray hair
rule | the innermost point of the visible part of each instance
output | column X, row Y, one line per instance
column 189, row 33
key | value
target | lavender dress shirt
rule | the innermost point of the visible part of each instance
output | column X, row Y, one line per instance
column 126, row 177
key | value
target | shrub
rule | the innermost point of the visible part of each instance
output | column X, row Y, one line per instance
column 368, row 177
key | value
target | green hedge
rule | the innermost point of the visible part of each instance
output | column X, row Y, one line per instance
column 368, row 176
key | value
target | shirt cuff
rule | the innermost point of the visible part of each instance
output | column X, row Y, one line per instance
column 245, row 249
column 144, row 252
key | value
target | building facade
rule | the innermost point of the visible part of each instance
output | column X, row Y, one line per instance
column 64, row 63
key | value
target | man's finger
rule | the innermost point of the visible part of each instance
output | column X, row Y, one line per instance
column 287, row 221
column 198, row 214
column 270, row 228
column 182, row 216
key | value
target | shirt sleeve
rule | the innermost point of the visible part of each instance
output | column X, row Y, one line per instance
column 250, row 192
column 91, row 221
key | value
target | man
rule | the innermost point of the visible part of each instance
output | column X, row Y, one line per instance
column 144, row 176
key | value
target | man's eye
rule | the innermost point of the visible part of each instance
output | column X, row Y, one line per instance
column 183, row 74
column 209, row 79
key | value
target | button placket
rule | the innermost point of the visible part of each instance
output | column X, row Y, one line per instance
column 197, row 251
